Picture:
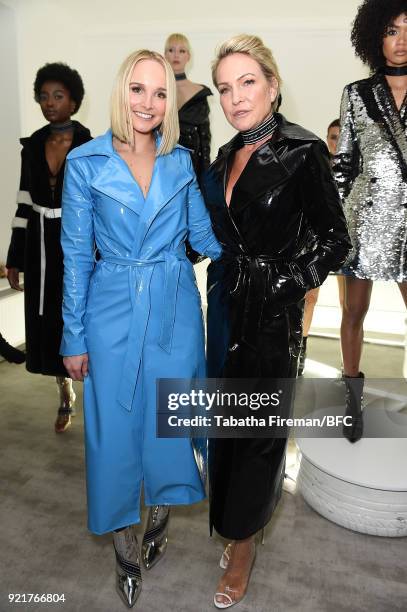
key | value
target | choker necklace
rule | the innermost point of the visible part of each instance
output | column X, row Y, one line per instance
column 61, row 127
column 261, row 131
column 181, row 76
column 394, row 70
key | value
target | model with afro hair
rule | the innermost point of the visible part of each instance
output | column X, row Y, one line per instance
column 369, row 27
column 61, row 73
column 371, row 172
column 35, row 247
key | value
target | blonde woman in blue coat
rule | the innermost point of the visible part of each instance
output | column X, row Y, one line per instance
column 135, row 315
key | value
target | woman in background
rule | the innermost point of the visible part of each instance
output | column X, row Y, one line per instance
column 193, row 113
column 35, row 247
column 371, row 172
column 192, row 102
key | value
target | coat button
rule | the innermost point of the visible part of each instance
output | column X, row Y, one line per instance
column 373, row 179
column 369, row 203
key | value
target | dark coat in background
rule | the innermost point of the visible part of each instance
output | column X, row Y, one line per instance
column 195, row 135
column 35, row 249
column 195, row 131
column 285, row 195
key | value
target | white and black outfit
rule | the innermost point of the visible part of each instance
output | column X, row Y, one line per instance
column 35, row 249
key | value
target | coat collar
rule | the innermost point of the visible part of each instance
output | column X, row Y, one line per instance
column 114, row 178
column 285, row 131
column 81, row 134
column 265, row 169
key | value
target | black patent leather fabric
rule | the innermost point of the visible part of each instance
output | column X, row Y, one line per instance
column 281, row 235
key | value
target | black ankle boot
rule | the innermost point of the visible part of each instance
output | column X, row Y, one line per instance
column 354, row 406
column 302, row 356
column 11, row 354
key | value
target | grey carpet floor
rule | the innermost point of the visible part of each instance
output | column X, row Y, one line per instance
column 307, row 564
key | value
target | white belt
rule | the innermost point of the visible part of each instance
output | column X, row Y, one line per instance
column 48, row 213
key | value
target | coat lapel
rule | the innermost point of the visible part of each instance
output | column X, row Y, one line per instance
column 115, row 181
column 169, row 177
column 263, row 172
column 391, row 118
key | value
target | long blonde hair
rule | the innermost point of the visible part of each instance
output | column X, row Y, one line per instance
column 254, row 47
column 120, row 113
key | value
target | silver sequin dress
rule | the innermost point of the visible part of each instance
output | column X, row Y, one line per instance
column 370, row 168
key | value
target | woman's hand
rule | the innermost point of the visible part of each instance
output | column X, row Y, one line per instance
column 13, row 277
column 288, row 288
column 77, row 366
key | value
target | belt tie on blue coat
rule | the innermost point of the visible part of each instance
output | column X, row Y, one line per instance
column 140, row 301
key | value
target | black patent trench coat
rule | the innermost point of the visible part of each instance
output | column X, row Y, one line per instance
column 281, row 235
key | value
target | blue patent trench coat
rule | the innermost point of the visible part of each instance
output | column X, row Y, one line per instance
column 137, row 313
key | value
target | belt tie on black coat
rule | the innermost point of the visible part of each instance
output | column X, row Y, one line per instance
column 248, row 278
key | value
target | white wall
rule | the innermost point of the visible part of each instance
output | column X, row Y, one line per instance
column 310, row 40
column 10, row 124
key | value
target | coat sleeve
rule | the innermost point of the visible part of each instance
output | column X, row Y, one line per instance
column 323, row 210
column 15, row 256
column 346, row 163
column 77, row 239
column 200, row 233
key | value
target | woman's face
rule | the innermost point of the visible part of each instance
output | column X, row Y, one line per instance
column 395, row 42
column 246, row 95
column 55, row 101
column 178, row 56
column 148, row 95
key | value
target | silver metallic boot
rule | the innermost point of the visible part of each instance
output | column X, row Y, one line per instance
column 155, row 537
column 66, row 408
column 128, row 573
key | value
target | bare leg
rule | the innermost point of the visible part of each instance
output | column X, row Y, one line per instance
column 311, row 298
column 341, row 289
column 233, row 584
column 355, row 307
column 403, row 291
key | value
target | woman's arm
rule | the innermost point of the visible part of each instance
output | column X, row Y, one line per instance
column 347, row 159
column 323, row 209
column 16, row 251
column 200, row 233
column 77, row 239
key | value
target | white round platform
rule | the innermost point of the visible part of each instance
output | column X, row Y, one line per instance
column 361, row 486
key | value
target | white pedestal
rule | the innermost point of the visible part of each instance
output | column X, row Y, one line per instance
column 360, row 486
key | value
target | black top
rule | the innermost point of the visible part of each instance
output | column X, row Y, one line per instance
column 195, row 133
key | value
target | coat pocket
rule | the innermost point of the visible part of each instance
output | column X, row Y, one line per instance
column 288, row 287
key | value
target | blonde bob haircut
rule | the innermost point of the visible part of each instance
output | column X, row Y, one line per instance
column 254, row 47
column 177, row 38
column 120, row 112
